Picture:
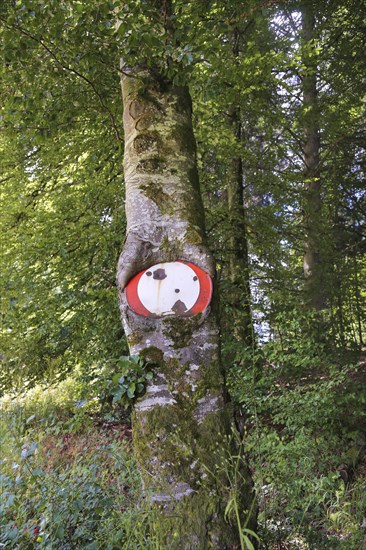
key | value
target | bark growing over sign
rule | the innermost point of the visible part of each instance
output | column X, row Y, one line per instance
column 182, row 424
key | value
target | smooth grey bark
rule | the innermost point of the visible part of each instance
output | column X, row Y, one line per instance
column 313, row 261
column 182, row 425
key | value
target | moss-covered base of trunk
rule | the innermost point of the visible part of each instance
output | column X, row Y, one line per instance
column 178, row 456
column 196, row 522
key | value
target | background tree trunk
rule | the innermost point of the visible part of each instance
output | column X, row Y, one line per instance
column 313, row 262
column 182, row 425
column 238, row 246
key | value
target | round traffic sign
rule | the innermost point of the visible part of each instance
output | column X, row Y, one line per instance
column 176, row 288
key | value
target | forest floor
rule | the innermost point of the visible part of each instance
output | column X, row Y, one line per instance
column 68, row 478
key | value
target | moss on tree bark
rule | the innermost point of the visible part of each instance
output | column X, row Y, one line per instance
column 182, row 425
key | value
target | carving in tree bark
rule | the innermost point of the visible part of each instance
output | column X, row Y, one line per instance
column 181, row 425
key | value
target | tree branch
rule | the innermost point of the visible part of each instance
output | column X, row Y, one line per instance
column 71, row 70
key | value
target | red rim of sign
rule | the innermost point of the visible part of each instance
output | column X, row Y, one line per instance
column 200, row 305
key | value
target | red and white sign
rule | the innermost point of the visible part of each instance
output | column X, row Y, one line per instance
column 174, row 288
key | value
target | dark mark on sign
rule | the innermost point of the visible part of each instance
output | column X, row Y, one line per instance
column 159, row 274
column 179, row 308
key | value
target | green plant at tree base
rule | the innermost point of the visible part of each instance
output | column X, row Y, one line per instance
column 118, row 381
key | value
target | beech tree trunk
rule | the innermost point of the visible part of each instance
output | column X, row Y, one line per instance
column 313, row 262
column 182, row 425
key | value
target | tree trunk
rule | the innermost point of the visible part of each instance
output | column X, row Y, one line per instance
column 313, row 263
column 182, row 424
column 357, row 295
column 237, row 316
column 239, row 296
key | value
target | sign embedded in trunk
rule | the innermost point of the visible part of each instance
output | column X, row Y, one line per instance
column 176, row 288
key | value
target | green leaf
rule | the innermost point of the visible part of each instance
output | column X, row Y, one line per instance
column 248, row 543
column 131, row 390
column 117, row 396
column 117, row 377
column 228, row 508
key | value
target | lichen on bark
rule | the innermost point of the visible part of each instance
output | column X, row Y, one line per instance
column 181, row 425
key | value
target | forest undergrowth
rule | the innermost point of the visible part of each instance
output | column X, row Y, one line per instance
column 304, row 425
column 69, row 479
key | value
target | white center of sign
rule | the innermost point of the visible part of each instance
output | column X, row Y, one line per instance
column 169, row 288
